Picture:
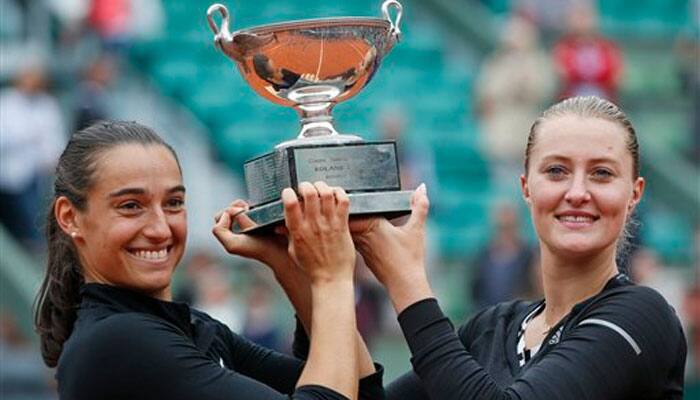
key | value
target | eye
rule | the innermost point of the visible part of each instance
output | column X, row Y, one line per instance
column 555, row 171
column 602, row 173
column 130, row 206
column 175, row 204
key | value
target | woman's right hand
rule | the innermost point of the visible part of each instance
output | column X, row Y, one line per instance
column 396, row 254
column 321, row 245
column 318, row 233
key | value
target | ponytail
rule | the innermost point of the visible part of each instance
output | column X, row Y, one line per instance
column 58, row 297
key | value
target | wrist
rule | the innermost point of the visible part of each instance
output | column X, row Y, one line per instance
column 324, row 281
column 408, row 290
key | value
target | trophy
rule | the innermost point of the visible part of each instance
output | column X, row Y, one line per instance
column 311, row 65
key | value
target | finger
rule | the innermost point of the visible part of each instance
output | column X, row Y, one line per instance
column 239, row 215
column 327, row 198
column 222, row 231
column 292, row 209
column 419, row 208
column 309, row 194
column 343, row 201
column 240, row 204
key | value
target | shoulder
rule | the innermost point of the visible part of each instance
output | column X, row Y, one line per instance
column 632, row 300
column 640, row 316
column 103, row 354
column 119, row 336
column 131, row 324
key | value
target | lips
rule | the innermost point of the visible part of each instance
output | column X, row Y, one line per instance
column 576, row 219
column 151, row 255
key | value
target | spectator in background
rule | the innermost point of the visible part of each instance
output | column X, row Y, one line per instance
column 92, row 93
column 646, row 269
column 211, row 290
column 502, row 271
column 691, row 309
column 513, row 84
column 687, row 49
column 32, row 135
column 416, row 164
column 260, row 323
column 22, row 372
column 548, row 15
column 588, row 64
column 370, row 301
column 111, row 20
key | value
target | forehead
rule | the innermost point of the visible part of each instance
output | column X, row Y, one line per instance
column 574, row 136
column 135, row 165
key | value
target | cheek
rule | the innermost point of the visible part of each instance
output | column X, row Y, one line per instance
column 178, row 225
column 614, row 203
column 544, row 199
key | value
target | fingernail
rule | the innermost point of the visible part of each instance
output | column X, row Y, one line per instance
column 422, row 188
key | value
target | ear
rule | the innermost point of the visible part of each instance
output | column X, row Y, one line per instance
column 637, row 192
column 67, row 216
column 525, row 190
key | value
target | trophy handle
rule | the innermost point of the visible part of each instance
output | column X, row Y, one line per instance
column 220, row 33
column 395, row 31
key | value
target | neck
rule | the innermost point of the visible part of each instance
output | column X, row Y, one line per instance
column 567, row 282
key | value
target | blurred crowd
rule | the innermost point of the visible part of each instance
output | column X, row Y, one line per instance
column 547, row 50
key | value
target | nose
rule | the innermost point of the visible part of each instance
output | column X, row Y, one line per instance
column 157, row 229
column 577, row 193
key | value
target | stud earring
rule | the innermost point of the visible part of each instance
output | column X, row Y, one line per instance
column 73, row 234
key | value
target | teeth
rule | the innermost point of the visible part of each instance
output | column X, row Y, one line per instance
column 577, row 218
column 151, row 255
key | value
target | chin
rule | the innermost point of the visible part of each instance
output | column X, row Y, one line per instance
column 155, row 283
column 578, row 249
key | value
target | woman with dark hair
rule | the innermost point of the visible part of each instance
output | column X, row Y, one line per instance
column 595, row 335
column 116, row 231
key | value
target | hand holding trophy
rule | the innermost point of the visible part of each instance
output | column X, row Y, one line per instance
column 311, row 65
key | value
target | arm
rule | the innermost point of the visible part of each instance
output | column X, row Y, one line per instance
column 371, row 386
column 136, row 356
column 320, row 243
column 271, row 250
column 591, row 362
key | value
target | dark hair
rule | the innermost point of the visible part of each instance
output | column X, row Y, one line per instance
column 58, row 297
column 595, row 107
column 588, row 106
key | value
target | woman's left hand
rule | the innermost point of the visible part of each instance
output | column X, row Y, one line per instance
column 396, row 254
column 269, row 249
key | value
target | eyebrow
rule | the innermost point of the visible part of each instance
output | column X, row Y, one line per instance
column 592, row 161
column 141, row 191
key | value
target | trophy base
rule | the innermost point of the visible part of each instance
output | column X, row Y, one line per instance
column 390, row 204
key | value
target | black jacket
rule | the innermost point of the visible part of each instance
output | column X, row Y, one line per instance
column 130, row 346
column 623, row 343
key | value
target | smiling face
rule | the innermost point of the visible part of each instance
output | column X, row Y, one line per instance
column 132, row 233
column 580, row 185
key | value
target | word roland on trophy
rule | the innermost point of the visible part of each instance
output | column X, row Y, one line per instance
column 311, row 65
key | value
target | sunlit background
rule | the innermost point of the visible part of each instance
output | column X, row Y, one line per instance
column 458, row 93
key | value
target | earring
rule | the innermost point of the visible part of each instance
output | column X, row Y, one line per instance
column 73, row 234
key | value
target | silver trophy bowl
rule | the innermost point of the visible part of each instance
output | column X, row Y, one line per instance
column 309, row 65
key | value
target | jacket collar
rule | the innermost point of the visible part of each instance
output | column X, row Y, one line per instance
column 117, row 299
